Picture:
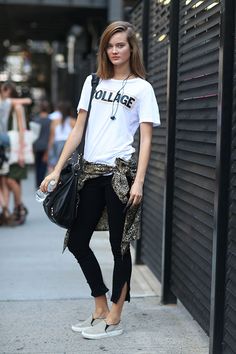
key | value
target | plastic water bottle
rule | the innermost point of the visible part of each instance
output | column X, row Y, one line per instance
column 40, row 196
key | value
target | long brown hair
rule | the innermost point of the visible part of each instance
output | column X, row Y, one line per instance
column 11, row 88
column 105, row 68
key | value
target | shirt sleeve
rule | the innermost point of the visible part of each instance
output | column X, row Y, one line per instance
column 85, row 94
column 148, row 108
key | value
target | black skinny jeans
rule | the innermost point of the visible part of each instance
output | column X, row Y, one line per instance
column 95, row 195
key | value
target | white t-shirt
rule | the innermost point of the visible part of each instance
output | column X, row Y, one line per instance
column 131, row 102
column 5, row 110
column 62, row 131
column 55, row 115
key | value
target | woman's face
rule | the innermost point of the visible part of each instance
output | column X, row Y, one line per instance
column 5, row 93
column 118, row 49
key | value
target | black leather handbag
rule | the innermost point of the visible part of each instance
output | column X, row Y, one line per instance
column 61, row 205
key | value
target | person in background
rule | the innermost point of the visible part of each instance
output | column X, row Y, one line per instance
column 56, row 115
column 7, row 104
column 123, row 101
column 41, row 144
column 3, row 216
column 60, row 130
column 18, row 171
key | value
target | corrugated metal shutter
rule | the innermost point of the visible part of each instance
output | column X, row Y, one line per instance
column 195, row 156
column 229, row 339
column 136, row 18
column 152, row 216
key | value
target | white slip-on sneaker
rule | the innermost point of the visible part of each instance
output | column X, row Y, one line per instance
column 90, row 322
column 102, row 330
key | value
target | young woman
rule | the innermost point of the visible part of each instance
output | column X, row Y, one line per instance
column 9, row 103
column 41, row 144
column 59, row 132
column 123, row 101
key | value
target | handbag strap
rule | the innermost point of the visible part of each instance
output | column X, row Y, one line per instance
column 94, row 83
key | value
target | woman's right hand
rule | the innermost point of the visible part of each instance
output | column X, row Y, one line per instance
column 52, row 176
column 21, row 160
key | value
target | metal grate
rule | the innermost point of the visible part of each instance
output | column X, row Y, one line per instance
column 152, row 217
column 136, row 19
column 195, row 155
column 229, row 339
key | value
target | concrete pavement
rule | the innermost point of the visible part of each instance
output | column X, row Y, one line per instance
column 43, row 292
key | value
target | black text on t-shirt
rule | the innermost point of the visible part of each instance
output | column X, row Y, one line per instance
column 108, row 96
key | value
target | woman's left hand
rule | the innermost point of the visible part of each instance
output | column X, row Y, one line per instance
column 45, row 157
column 136, row 194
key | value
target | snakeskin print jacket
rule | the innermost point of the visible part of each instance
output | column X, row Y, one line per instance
column 122, row 171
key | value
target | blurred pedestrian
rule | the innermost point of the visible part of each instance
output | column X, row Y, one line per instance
column 123, row 101
column 17, row 171
column 4, row 168
column 41, row 144
column 7, row 105
column 5, row 215
column 60, row 130
column 56, row 114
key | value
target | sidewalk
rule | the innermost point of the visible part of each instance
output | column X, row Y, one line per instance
column 43, row 292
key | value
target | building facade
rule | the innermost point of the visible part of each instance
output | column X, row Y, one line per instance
column 189, row 218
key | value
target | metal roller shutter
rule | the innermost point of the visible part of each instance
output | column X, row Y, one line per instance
column 136, row 18
column 195, row 155
column 152, row 216
column 229, row 339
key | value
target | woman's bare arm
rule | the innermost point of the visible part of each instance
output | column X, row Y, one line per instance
column 52, row 134
column 136, row 191
column 17, row 101
column 20, row 123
